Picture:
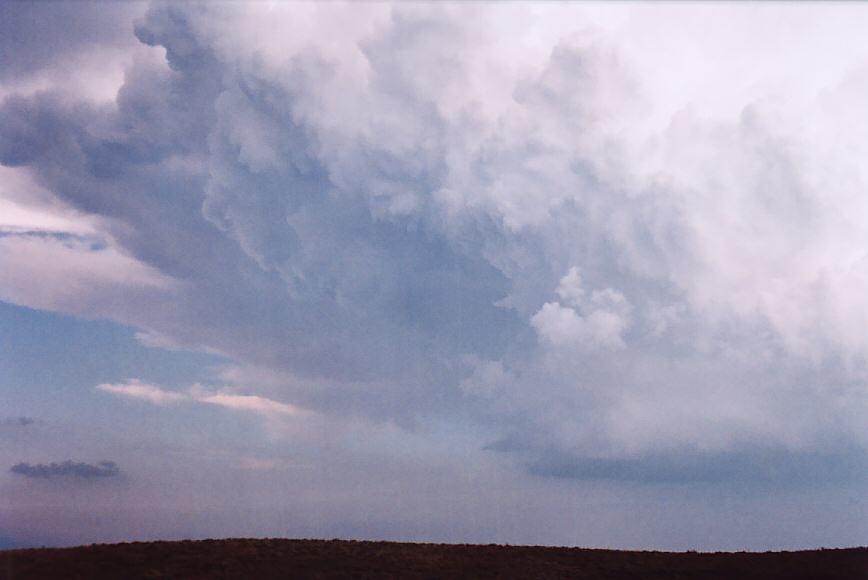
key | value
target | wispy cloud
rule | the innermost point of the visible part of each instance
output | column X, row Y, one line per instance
column 136, row 389
column 252, row 403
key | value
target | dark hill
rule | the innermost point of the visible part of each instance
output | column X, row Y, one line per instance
column 262, row 559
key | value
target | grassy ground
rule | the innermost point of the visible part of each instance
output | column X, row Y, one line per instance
column 263, row 559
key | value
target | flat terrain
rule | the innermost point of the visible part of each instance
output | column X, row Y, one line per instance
column 257, row 559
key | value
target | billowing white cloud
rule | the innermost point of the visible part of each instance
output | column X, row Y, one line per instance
column 598, row 319
column 593, row 241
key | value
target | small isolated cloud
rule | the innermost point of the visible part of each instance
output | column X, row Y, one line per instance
column 136, row 389
column 67, row 469
column 17, row 421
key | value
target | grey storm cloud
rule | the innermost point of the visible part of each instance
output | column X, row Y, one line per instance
column 511, row 238
column 38, row 34
column 67, row 469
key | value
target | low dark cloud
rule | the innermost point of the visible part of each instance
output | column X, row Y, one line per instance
column 67, row 469
column 778, row 467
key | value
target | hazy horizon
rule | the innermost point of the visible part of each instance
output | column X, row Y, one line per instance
column 568, row 274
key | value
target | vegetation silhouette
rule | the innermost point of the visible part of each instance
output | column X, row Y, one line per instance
column 326, row 559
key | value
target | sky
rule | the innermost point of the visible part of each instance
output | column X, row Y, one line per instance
column 565, row 274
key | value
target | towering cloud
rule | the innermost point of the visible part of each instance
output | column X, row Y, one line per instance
column 539, row 220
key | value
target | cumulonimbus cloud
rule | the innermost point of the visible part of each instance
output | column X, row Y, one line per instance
column 517, row 213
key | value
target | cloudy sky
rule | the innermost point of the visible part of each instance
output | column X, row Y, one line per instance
column 530, row 273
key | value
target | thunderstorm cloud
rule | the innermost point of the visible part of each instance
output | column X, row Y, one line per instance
column 586, row 243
